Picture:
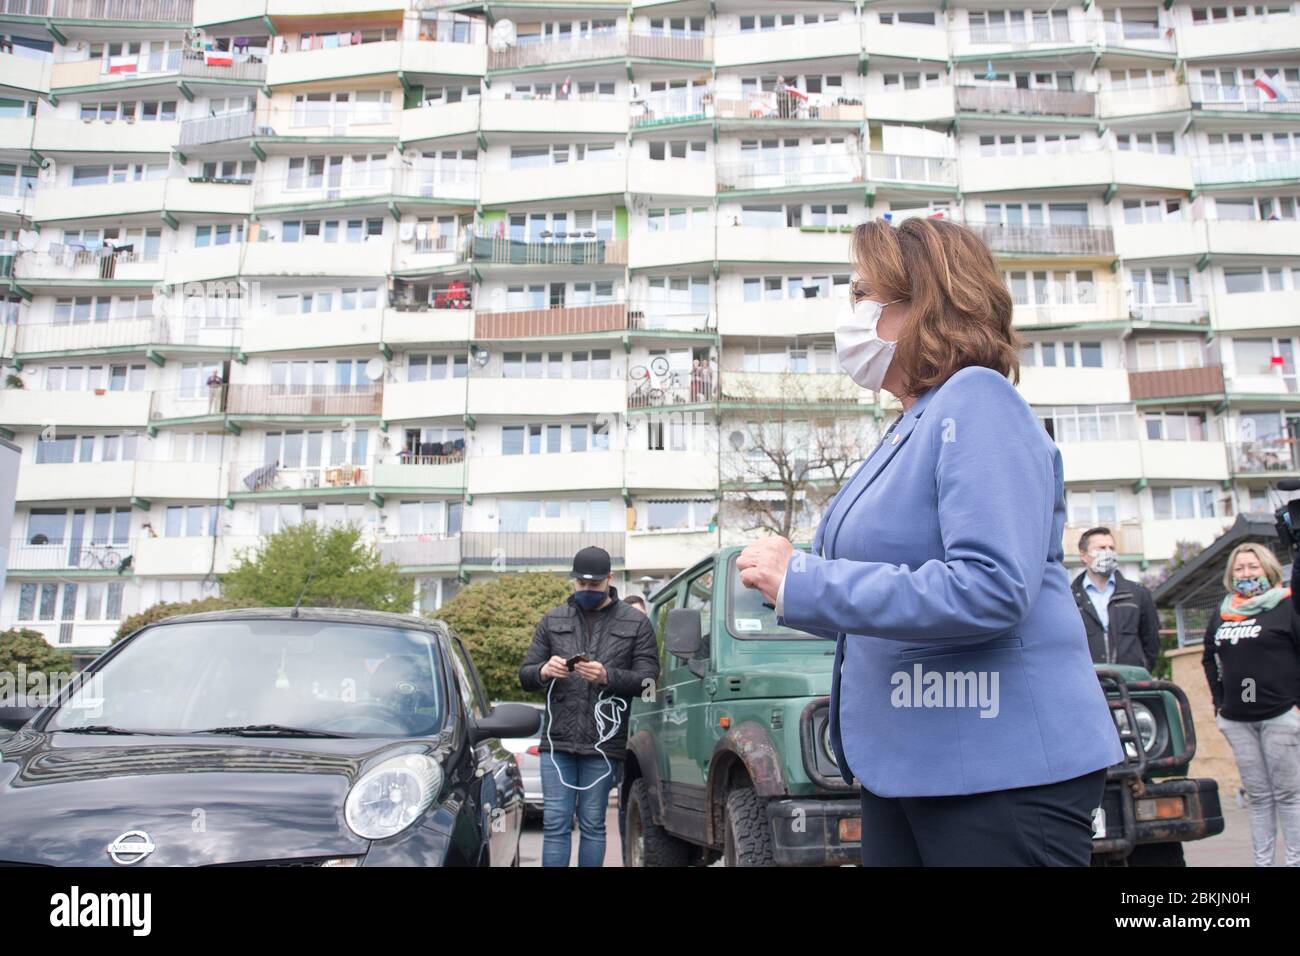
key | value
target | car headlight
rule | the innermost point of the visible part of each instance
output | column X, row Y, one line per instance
column 389, row 798
column 826, row 742
column 1148, row 730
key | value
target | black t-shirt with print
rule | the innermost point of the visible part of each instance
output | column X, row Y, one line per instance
column 1253, row 666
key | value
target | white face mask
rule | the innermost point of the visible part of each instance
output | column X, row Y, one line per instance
column 1104, row 561
column 863, row 354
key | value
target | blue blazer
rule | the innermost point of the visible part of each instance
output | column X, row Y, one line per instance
column 961, row 662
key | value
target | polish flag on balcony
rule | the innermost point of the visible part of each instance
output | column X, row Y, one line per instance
column 1272, row 88
column 1278, row 360
column 218, row 58
column 121, row 64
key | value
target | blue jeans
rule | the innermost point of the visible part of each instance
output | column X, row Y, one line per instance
column 559, row 803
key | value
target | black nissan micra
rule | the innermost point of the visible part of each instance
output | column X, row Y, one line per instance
column 276, row 737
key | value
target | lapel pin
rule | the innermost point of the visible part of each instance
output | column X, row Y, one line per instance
column 897, row 438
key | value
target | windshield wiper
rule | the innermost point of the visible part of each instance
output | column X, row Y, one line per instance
column 98, row 729
column 269, row 730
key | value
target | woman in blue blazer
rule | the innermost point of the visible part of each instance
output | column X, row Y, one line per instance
column 964, row 700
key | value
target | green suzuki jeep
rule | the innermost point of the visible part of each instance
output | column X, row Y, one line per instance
column 732, row 756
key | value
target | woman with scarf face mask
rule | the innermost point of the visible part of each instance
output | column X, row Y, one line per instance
column 1252, row 662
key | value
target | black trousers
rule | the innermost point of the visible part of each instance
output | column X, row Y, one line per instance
column 1048, row 825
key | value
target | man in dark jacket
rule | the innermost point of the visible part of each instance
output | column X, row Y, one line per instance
column 591, row 655
column 1119, row 615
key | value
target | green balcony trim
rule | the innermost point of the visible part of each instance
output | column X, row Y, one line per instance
column 375, row 498
column 186, row 91
column 1046, row 53
column 58, row 35
column 1139, row 485
column 469, row 421
column 789, row 190
column 143, row 504
column 1203, row 262
column 151, row 431
column 463, row 576
column 627, row 497
column 1109, row 194
column 257, row 150
column 232, row 427
column 7, row 434
column 181, row 157
column 156, row 357
column 1180, row 400
column 229, row 503
column 241, row 357
column 683, row 407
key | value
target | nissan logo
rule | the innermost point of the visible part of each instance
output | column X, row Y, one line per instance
column 131, row 847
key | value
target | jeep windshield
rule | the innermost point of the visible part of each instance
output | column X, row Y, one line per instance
column 263, row 678
column 748, row 618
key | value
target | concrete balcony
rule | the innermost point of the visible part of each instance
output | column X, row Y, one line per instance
column 573, row 115
column 803, row 172
column 218, row 129
column 436, row 398
column 783, row 109
column 246, row 72
column 1240, row 38
column 351, row 327
column 422, row 473
column 1008, row 100
column 439, row 122
column 1072, row 386
column 178, row 480
column 1087, row 170
column 1223, row 98
column 205, row 264
column 603, row 45
column 1229, row 169
column 36, row 408
column 590, row 178
column 258, row 477
column 305, row 67
column 574, row 471
column 670, row 470
column 1001, row 41
column 81, row 556
column 438, row 58
column 196, row 197
column 109, row 201
column 1184, row 460
column 75, row 482
column 531, row 323
column 1161, row 240
column 119, row 136
column 190, row 556
column 675, row 178
column 1248, row 238
column 1133, row 40
column 1032, row 241
column 672, row 106
column 79, row 75
column 649, row 250
column 47, row 338
column 31, row 74
column 1155, row 170
column 905, row 41
column 1199, row 382
column 1264, row 384
column 142, row 12
column 1161, row 537
column 420, row 326
column 817, row 42
column 1269, row 456
column 901, row 171
column 1195, row 311
column 751, row 244
column 781, row 317
column 497, row 550
column 791, row 389
column 416, row 254
column 53, row 269
column 1254, row 310
column 667, row 552
column 1114, row 104
column 930, row 105
column 330, row 401
column 316, row 259
column 498, row 250
column 1108, row 304
column 501, row 396
column 1128, row 538
column 422, row 551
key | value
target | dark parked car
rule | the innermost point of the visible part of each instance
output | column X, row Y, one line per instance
column 267, row 736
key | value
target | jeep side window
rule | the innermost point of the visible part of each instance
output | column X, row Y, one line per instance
column 661, row 624
column 699, row 597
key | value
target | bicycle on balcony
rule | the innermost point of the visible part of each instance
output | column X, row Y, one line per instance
column 102, row 556
column 652, row 383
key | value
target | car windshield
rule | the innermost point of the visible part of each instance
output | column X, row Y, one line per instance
column 748, row 617
column 270, row 676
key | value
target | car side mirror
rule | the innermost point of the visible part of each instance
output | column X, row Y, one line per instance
column 682, row 633
column 507, row 720
column 13, row 717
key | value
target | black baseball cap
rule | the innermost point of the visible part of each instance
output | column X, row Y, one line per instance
column 591, row 564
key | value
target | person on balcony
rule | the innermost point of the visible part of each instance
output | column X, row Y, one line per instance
column 1119, row 615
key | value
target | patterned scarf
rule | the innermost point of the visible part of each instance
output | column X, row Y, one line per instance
column 1238, row 608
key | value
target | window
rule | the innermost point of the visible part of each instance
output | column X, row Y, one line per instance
column 1176, row 426
column 1088, row 423
column 1182, row 502
column 190, row 521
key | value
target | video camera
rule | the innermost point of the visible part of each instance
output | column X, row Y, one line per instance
column 1288, row 516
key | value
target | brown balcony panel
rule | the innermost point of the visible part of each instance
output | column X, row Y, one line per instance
column 1176, row 383
column 525, row 323
column 652, row 46
column 314, row 400
column 992, row 99
column 536, row 547
column 1047, row 240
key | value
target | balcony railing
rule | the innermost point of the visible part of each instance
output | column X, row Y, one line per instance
column 1244, row 168
column 124, row 333
column 536, row 547
column 1176, row 383
column 218, row 129
column 789, row 388
column 85, row 554
column 1036, row 36
column 571, row 320
column 152, row 11
column 422, row 550
column 675, row 388
column 600, row 45
column 1144, row 36
column 785, row 105
column 669, row 105
column 1264, row 456
column 1128, row 537
column 330, row 400
column 1193, row 310
column 765, row 173
column 1244, row 99
column 1046, row 240
column 895, row 167
column 999, row 99
column 261, row 476
column 195, row 66
column 584, row 251
column 60, row 261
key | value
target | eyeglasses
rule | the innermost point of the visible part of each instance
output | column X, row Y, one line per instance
column 860, row 291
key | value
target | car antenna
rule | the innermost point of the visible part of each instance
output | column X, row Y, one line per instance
column 305, row 584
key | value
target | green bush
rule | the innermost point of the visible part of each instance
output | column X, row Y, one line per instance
column 19, row 645
column 496, row 620
column 160, row 611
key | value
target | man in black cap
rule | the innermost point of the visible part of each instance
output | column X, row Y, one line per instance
column 591, row 655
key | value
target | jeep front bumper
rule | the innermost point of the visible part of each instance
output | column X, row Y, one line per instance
column 810, row 832
column 1168, row 811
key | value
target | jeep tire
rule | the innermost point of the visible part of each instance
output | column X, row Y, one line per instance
column 747, row 837
column 1157, row 854
column 645, row 843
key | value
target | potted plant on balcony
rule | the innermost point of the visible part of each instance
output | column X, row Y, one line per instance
column 14, row 381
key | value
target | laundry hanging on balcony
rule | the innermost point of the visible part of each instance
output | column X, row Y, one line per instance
column 261, row 477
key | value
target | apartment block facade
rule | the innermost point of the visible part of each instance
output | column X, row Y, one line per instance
column 494, row 281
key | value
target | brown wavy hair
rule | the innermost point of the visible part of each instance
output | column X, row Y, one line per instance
column 960, row 307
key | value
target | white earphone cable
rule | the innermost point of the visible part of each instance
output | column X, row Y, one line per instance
column 608, row 719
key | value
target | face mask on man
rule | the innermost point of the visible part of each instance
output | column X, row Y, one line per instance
column 862, row 353
column 590, row 600
column 1103, row 561
column 1249, row 587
